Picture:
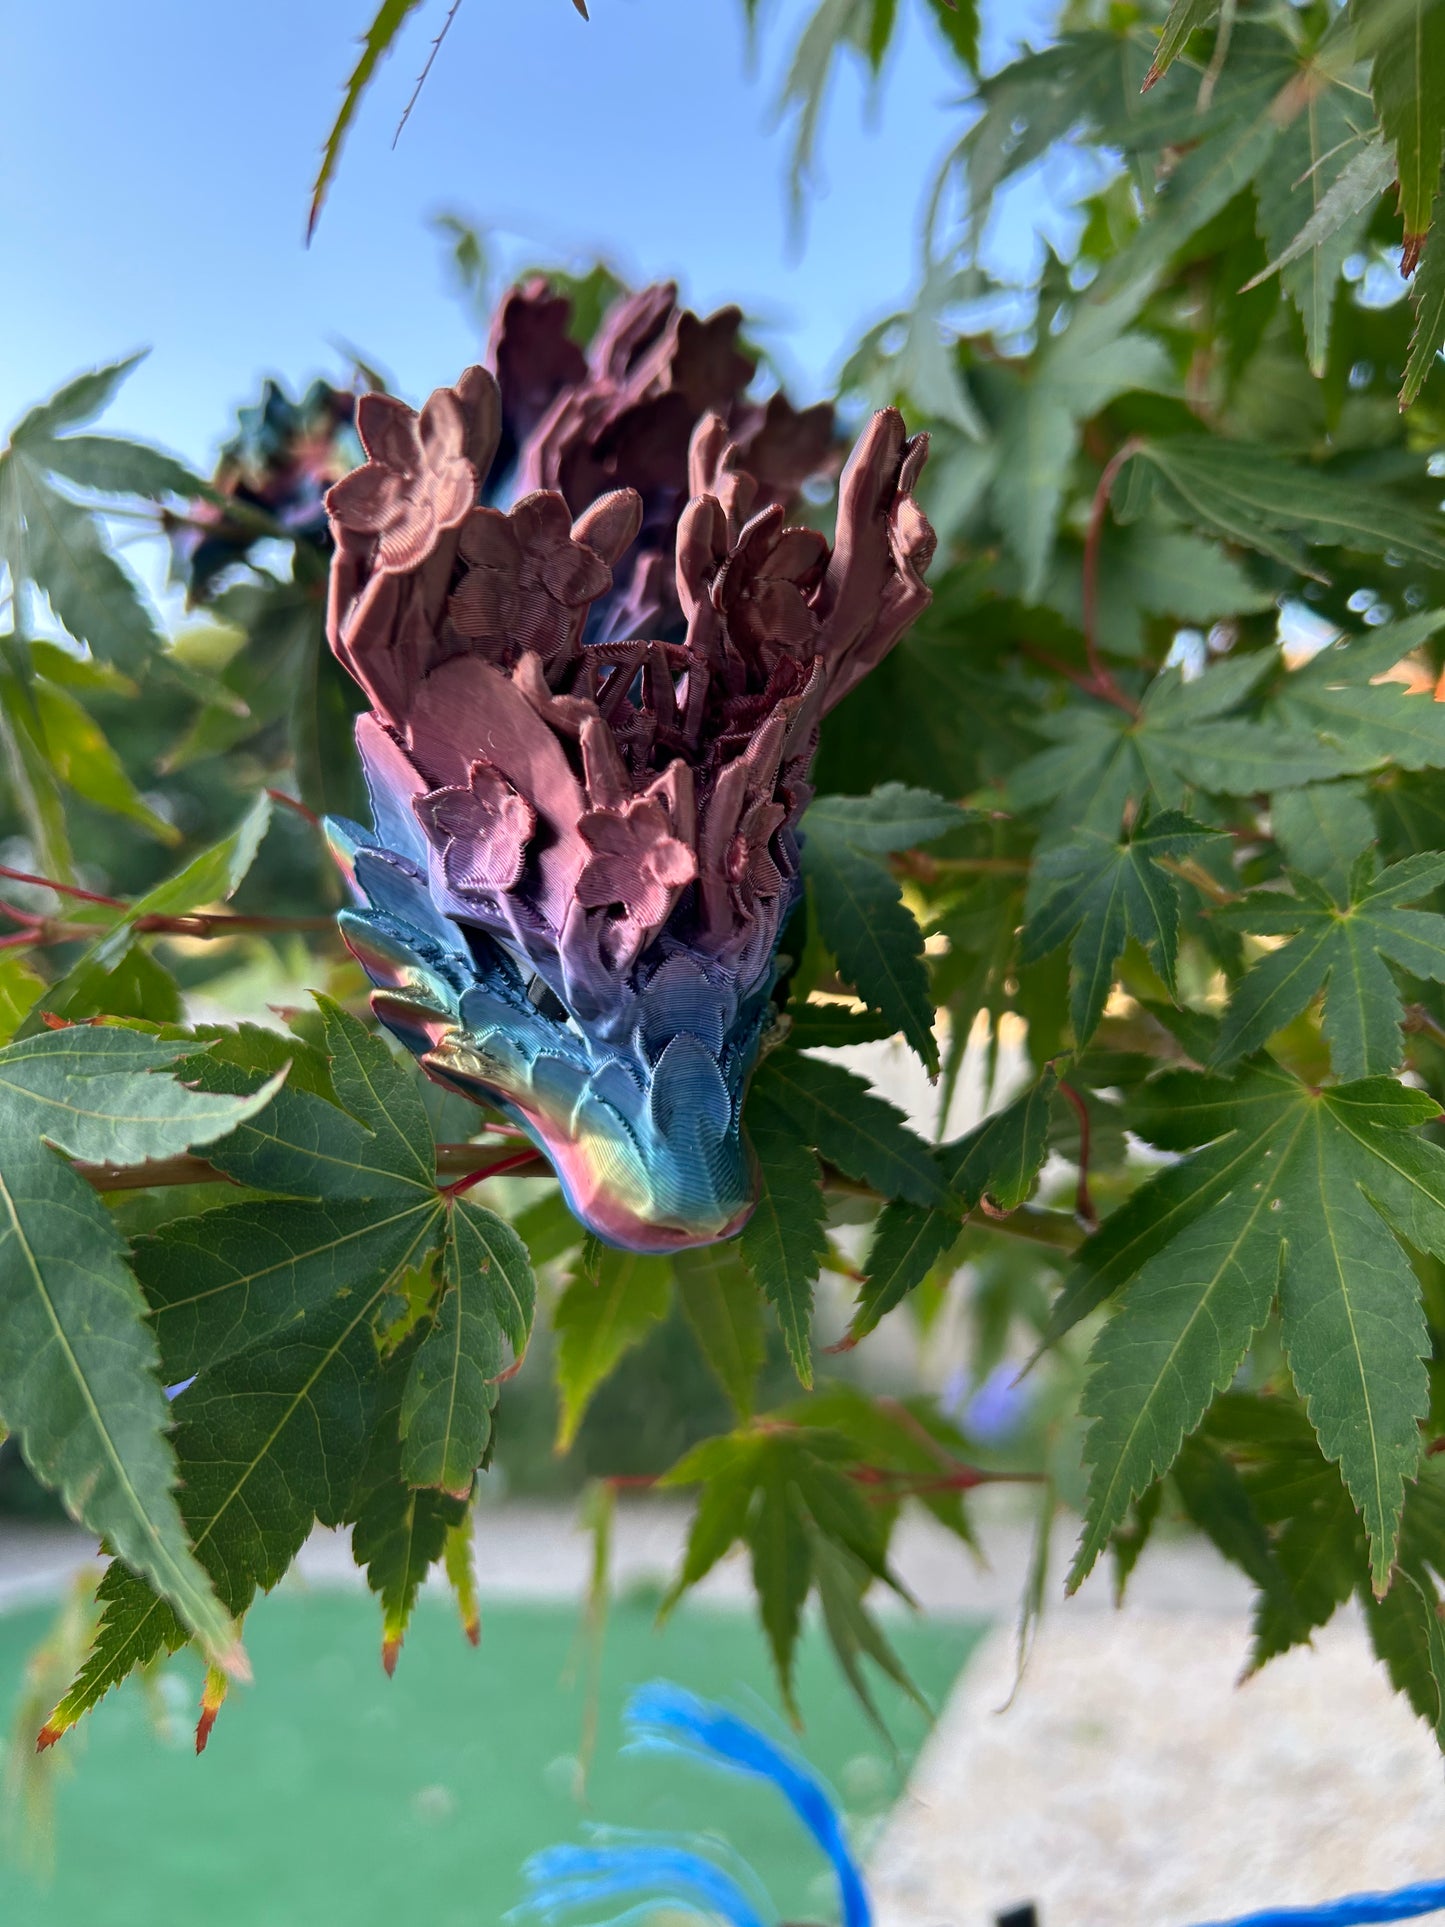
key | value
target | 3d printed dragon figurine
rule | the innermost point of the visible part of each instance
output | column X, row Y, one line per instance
column 592, row 720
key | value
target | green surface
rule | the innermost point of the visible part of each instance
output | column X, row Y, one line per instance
column 332, row 1797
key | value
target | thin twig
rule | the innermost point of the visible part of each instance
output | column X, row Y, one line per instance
column 1100, row 673
column 928, row 869
column 436, row 47
column 201, row 926
column 529, row 1162
column 455, row 1160
column 1046, row 657
column 887, row 1481
column 141, row 1177
column 222, row 923
column 295, row 803
column 1422, row 1023
column 910, row 1422
column 1194, row 872
column 965, row 1478
column 195, row 1170
column 1033, row 1224
column 1083, row 1203
column 32, row 918
column 1216, row 65
column 61, row 889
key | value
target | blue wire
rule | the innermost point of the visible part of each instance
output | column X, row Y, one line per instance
column 1355, row 1910
column 566, row 1877
column 665, row 1718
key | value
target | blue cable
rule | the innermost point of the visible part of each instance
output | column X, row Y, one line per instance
column 665, row 1718
column 1355, row 1910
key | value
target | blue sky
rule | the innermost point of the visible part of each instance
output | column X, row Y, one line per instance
column 157, row 157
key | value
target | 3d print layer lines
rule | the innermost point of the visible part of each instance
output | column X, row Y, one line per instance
column 585, row 844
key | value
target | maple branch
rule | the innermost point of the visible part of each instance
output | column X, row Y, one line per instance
column 162, row 1171
column 1048, row 660
column 1421, row 1023
column 963, row 1478
column 1083, row 1203
column 923, row 868
column 43, row 934
column 1194, row 872
column 529, row 1163
column 221, row 923
column 910, row 1422
column 421, row 79
column 44, row 930
column 835, row 1261
column 26, row 918
column 1034, row 1224
column 887, row 1482
column 456, row 1160
column 189, row 1169
column 61, row 889
column 1101, row 675
column 295, row 803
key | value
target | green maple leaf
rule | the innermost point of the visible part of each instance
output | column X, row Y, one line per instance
column 400, row 1530
column 1405, row 1625
column 957, row 21
column 1187, row 735
column 784, row 1492
column 1260, row 499
column 719, row 1297
column 385, row 28
column 1314, row 150
column 849, row 1125
column 1148, row 569
column 1040, row 420
column 783, row 1242
column 86, row 763
column 1217, row 1499
column 488, row 1296
column 1234, row 140
column 997, row 1162
column 611, row 1301
column 1183, row 18
column 50, row 540
column 274, row 1305
column 90, row 984
column 908, row 1437
column 859, row 905
column 270, row 1442
column 1096, row 891
column 1041, row 99
column 1322, row 829
column 1345, row 948
column 1428, row 294
column 1358, row 722
column 908, row 1241
column 1317, row 1547
column 1299, row 1195
column 1407, row 80
column 834, row 1026
column 78, row 1371
column 1329, row 717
